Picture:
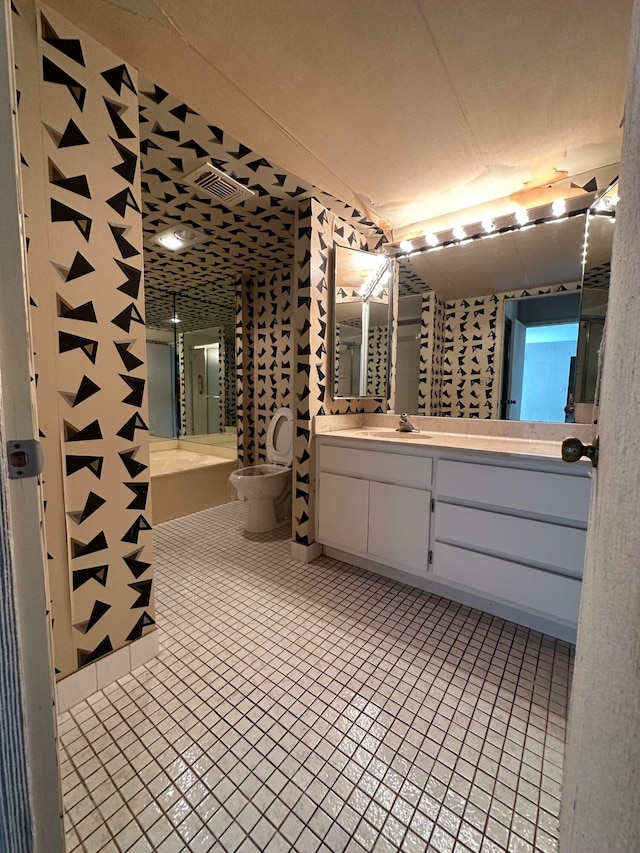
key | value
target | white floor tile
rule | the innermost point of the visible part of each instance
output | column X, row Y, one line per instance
column 316, row 706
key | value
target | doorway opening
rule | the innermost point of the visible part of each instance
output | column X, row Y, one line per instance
column 539, row 359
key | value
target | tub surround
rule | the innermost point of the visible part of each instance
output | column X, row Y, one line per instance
column 488, row 517
column 187, row 477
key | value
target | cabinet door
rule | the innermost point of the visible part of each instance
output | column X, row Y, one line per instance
column 343, row 510
column 399, row 526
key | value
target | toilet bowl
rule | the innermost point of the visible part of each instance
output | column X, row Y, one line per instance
column 268, row 487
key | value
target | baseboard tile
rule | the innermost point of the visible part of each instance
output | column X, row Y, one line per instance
column 96, row 676
column 306, row 553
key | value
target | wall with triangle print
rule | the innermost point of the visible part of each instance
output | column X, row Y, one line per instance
column 79, row 140
column 461, row 352
column 318, row 231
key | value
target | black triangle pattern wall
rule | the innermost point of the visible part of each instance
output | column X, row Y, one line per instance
column 83, row 209
column 461, row 352
column 254, row 238
column 42, row 329
column 317, row 232
column 265, row 358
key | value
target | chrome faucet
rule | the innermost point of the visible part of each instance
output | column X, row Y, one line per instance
column 405, row 424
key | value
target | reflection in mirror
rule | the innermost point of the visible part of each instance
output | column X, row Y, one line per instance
column 599, row 232
column 208, row 386
column 161, row 384
column 206, row 374
column 361, row 330
column 162, row 380
column 454, row 303
column 192, row 372
column 539, row 355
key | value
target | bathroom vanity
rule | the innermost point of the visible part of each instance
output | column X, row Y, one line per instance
column 493, row 522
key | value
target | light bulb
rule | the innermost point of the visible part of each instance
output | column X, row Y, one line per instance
column 459, row 233
column 406, row 245
column 488, row 225
column 175, row 319
column 185, row 235
column 559, row 207
column 170, row 242
column 521, row 215
column 431, row 239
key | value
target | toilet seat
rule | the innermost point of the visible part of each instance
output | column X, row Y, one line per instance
column 280, row 438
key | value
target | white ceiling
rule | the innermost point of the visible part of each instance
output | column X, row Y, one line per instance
column 409, row 110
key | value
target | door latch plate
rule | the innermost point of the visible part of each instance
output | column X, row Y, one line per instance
column 25, row 458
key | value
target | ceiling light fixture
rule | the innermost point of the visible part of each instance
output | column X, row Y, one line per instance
column 177, row 239
column 490, row 228
column 559, row 207
column 175, row 319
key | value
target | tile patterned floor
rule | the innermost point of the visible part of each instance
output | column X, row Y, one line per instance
column 316, row 708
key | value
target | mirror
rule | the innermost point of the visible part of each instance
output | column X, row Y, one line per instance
column 599, row 232
column 191, row 372
column 539, row 357
column 457, row 300
column 361, row 324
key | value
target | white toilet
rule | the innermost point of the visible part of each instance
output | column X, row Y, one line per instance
column 268, row 487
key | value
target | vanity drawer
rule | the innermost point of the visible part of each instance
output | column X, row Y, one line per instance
column 555, row 596
column 374, row 465
column 558, row 495
column 523, row 539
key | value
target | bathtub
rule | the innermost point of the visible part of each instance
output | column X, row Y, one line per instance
column 185, row 481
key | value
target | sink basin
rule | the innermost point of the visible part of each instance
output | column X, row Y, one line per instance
column 392, row 433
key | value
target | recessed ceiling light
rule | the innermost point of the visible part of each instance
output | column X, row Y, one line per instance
column 177, row 239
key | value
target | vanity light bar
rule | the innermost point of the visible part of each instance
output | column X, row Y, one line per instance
column 408, row 250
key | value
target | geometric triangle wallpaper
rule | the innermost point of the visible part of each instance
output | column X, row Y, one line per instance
column 79, row 130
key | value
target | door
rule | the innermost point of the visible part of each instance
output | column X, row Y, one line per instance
column 516, row 359
column 30, row 807
column 399, row 520
column 213, row 389
column 161, row 388
column 197, row 362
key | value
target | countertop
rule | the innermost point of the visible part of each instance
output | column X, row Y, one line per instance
column 517, row 447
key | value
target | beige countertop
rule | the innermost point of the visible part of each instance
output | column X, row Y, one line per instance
column 518, row 447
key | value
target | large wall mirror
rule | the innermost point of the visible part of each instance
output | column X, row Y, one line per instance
column 595, row 292
column 502, row 328
column 192, row 372
column 362, row 299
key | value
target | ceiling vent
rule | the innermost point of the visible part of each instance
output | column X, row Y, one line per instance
column 218, row 185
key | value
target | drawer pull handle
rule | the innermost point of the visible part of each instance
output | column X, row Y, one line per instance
column 573, row 449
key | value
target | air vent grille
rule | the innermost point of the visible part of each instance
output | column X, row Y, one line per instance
column 218, row 185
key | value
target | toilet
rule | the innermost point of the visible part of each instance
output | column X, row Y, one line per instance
column 268, row 487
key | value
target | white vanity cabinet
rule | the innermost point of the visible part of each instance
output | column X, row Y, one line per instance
column 513, row 533
column 378, row 506
column 499, row 531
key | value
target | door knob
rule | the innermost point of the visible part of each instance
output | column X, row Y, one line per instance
column 573, row 449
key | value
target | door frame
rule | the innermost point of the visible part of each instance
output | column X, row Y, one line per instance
column 30, row 805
